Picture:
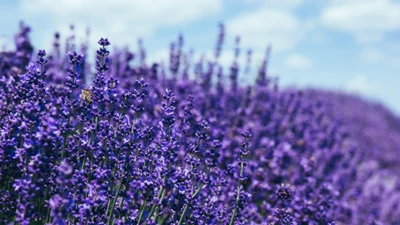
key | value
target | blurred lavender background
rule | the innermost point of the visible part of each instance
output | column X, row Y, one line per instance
column 349, row 45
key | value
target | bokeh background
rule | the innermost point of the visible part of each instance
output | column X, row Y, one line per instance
column 348, row 45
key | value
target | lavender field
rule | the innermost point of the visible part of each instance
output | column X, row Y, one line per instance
column 118, row 139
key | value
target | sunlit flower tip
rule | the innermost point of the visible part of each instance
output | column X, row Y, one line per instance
column 246, row 134
column 74, row 58
column 112, row 82
column 65, row 168
column 284, row 192
column 41, row 53
column 104, row 42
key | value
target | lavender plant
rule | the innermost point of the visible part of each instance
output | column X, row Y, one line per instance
column 176, row 144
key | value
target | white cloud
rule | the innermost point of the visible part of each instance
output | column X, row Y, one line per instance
column 277, row 3
column 120, row 20
column 360, row 84
column 160, row 56
column 298, row 61
column 374, row 56
column 368, row 20
column 259, row 28
column 318, row 38
column 6, row 44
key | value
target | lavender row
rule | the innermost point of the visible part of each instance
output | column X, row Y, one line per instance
column 140, row 143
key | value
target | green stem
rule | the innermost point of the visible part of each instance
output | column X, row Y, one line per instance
column 69, row 119
column 237, row 193
column 48, row 215
column 122, row 202
column 66, row 133
column 198, row 190
column 79, row 144
column 120, row 181
column 187, row 205
column 236, row 203
column 84, row 162
column 156, row 210
column 142, row 211
column 153, row 207
column 184, row 212
column 114, row 201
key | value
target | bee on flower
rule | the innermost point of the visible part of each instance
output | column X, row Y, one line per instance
column 86, row 95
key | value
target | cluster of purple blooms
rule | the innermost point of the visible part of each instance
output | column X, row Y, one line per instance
column 177, row 144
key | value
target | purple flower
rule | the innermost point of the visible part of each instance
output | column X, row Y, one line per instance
column 151, row 144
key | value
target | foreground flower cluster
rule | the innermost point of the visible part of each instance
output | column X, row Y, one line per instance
column 173, row 144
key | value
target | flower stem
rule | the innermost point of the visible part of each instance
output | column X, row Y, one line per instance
column 114, row 202
column 69, row 117
column 153, row 207
column 236, row 203
column 237, row 193
column 142, row 211
column 188, row 204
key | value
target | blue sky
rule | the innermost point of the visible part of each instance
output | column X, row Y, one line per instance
column 349, row 45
